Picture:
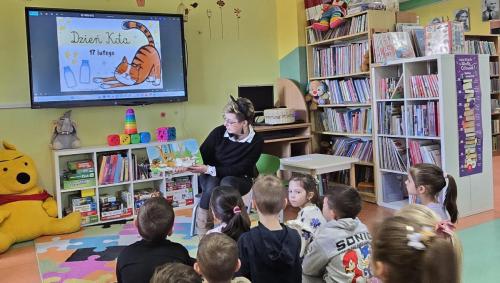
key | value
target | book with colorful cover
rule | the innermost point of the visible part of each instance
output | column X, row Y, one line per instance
column 174, row 154
column 391, row 46
column 444, row 38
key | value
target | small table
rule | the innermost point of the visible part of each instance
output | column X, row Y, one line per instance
column 317, row 164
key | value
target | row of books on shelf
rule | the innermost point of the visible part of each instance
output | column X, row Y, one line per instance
column 390, row 88
column 495, row 107
column 390, row 117
column 424, row 86
column 114, row 169
column 480, row 47
column 352, row 25
column 349, row 91
column 392, row 154
column 339, row 59
column 494, row 68
column 352, row 147
column 423, row 119
column 345, row 120
column 424, row 152
column 141, row 168
column 495, row 85
column 495, row 126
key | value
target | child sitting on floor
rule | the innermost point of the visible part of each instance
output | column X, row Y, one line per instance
column 303, row 193
column 175, row 272
column 229, row 212
column 137, row 262
column 427, row 181
column 218, row 259
column 340, row 251
column 270, row 252
column 407, row 250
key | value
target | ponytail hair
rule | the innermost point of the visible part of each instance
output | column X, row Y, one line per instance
column 228, row 206
column 413, row 253
column 450, row 200
column 434, row 180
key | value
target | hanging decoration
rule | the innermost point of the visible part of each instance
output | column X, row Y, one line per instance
column 237, row 12
column 140, row 3
column 221, row 4
column 209, row 15
column 184, row 10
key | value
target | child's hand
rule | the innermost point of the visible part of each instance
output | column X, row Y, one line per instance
column 201, row 169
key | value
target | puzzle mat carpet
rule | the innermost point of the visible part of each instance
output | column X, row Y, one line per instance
column 90, row 254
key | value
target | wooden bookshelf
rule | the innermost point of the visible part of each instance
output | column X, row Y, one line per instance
column 494, row 77
column 475, row 192
column 366, row 23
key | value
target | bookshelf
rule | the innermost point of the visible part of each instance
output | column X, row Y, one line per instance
column 489, row 44
column 427, row 122
column 84, row 183
column 345, row 123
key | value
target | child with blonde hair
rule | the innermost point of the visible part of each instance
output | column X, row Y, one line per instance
column 407, row 250
column 426, row 181
column 303, row 193
column 229, row 212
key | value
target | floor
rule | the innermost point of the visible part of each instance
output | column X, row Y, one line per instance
column 480, row 236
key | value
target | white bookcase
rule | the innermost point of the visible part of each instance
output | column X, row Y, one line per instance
column 475, row 192
column 159, row 182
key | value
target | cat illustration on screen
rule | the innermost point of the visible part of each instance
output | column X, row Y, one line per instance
column 146, row 65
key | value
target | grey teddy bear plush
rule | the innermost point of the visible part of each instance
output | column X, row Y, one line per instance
column 65, row 133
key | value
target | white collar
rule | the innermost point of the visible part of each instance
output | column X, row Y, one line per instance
column 247, row 139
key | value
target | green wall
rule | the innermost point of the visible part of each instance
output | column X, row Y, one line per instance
column 216, row 67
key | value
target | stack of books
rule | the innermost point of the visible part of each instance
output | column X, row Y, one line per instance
column 346, row 120
column 424, row 86
column 353, row 25
column 480, row 47
column 423, row 119
column 424, row 152
column 349, row 91
column 390, row 118
column 116, row 207
column 85, row 203
column 113, row 169
column 80, row 174
column 350, row 147
column 339, row 59
column 390, row 88
column 494, row 70
column 495, row 85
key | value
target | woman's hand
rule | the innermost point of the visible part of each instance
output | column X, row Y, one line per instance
column 201, row 169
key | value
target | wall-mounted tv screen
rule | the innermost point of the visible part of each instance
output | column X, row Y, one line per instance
column 91, row 58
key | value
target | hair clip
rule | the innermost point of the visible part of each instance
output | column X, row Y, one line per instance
column 236, row 210
column 445, row 229
column 418, row 240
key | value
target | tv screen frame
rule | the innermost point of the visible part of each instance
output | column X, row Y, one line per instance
column 243, row 91
column 105, row 102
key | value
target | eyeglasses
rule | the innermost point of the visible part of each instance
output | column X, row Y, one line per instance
column 229, row 121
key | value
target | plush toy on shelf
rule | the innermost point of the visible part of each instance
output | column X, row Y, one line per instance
column 26, row 210
column 332, row 14
column 64, row 135
column 317, row 94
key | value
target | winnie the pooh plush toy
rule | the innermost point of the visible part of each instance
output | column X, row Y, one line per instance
column 26, row 210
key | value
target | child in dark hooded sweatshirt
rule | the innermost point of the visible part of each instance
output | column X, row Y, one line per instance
column 270, row 252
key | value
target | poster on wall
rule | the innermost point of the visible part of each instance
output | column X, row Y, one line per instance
column 470, row 128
